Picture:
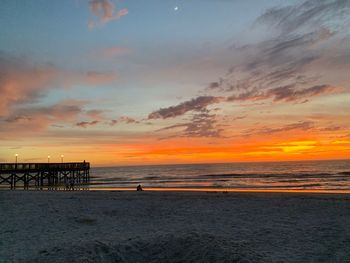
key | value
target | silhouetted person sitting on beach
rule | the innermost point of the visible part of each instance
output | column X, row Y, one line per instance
column 139, row 188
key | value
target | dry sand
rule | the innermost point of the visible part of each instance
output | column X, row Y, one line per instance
column 173, row 227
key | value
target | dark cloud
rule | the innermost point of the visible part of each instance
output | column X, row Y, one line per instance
column 250, row 95
column 289, row 93
column 214, row 85
column 305, row 125
column 202, row 124
column 281, row 45
column 299, row 38
column 113, row 122
column 301, row 16
column 331, row 128
column 85, row 124
column 281, row 67
column 196, row 104
column 127, row 120
column 292, row 71
column 267, row 75
column 18, row 118
column 272, row 68
column 123, row 119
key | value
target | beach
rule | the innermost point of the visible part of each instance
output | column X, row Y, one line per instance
column 130, row 226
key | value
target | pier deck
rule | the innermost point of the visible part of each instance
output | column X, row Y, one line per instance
column 44, row 174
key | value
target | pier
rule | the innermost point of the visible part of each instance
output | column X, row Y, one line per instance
column 40, row 175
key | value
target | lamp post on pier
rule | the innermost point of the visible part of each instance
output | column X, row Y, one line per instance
column 62, row 158
column 48, row 158
column 16, row 155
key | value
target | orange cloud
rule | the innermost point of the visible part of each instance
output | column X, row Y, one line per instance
column 22, row 81
column 105, row 11
column 33, row 120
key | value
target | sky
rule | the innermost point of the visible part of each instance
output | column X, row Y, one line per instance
column 118, row 82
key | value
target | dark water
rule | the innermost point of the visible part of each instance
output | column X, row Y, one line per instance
column 309, row 175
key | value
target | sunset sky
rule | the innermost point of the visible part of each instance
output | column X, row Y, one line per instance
column 174, row 81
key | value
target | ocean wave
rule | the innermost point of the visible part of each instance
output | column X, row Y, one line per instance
column 344, row 173
column 276, row 175
column 311, row 174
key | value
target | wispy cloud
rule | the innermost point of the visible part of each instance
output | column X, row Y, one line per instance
column 331, row 128
column 196, row 104
column 310, row 13
column 299, row 39
column 64, row 110
column 104, row 12
column 281, row 67
column 122, row 119
column 33, row 120
column 302, row 125
column 288, row 93
column 127, row 119
column 85, row 124
column 202, row 124
column 22, row 81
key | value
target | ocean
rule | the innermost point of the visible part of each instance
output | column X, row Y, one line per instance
column 296, row 175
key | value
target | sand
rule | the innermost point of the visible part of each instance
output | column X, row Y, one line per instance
column 173, row 227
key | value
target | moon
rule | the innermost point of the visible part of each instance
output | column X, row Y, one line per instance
column 176, row 8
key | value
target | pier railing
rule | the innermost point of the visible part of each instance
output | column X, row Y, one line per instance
column 38, row 167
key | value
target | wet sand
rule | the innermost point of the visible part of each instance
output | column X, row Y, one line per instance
column 115, row 226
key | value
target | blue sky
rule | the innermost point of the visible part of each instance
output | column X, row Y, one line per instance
column 207, row 72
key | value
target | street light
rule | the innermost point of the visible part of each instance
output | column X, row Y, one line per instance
column 48, row 158
column 62, row 158
column 16, row 157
